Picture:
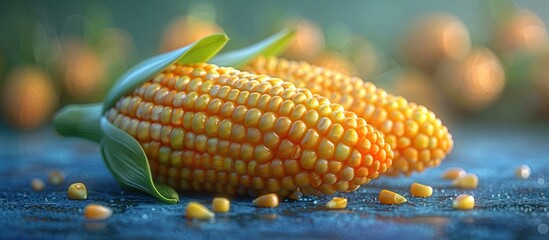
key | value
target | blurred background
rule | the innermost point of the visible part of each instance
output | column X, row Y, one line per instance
column 468, row 61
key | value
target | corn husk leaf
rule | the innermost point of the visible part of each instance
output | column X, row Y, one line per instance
column 271, row 46
column 128, row 163
column 200, row 51
column 122, row 154
column 81, row 120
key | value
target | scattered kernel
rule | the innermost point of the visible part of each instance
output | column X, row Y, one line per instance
column 523, row 172
column 77, row 191
column 469, row 181
column 453, row 173
column 220, row 204
column 389, row 197
column 56, row 177
column 337, row 203
column 267, row 201
column 198, row 211
column 97, row 212
column 295, row 194
column 464, row 202
column 420, row 190
column 37, row 184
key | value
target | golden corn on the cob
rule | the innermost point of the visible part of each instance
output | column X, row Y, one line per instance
column 210, row 128
column 417, row 137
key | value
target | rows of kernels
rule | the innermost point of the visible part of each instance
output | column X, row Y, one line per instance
column 417, row 137
column 235, row 132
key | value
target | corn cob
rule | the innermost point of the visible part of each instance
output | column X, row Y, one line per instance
column 209, row 128
column 28, row 98
column 417, row 137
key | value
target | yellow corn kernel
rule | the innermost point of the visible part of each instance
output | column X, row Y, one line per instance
column 56, row 177
column 220, row 204
column 77, row 191
column 295, row 194
column 97, row 212
column 453, row 173
column 337, row 203
column 417, row 137
column 37, row 184
column 198, row 211
column 389, row 197
column 420, row 190
column 469, row 181
column 236, row 132
column 464, row 202
column 523, row 172
column 267, row 201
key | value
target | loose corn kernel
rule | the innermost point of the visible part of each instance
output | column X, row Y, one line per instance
column 267, row 201
column 77, row 191
column 37, row 184
column 337, row 203
column 523, row 172
column 198, row 211
column 464, row 202
column 420, row 190
column 220, row 204
column 56, row 177
column 97, row 212
column 453, row 173
column 469, row 181
column 236, row 132
column 295, row 194
column 389, row 197
column 417, row 137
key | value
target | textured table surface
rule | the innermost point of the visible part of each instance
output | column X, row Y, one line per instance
column 506, row 207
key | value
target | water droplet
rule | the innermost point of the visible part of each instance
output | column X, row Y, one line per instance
column 145, row 216
column 541, row 181
column 543, row 228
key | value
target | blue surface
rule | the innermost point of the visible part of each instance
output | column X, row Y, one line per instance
column 506, row 207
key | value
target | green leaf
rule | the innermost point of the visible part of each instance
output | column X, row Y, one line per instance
column 270, row 46
column 79, row 120
column 200, row 51
column 128, row 163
